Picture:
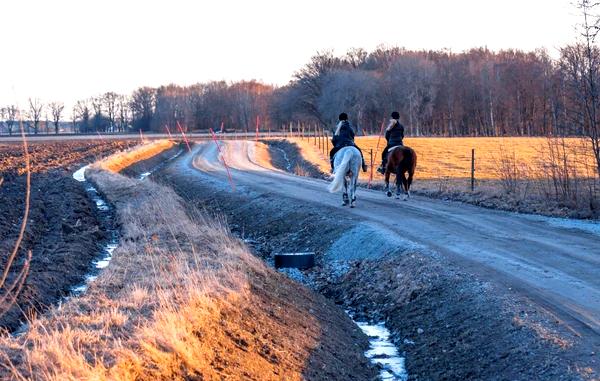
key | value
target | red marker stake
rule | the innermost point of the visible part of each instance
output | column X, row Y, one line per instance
column 168, row 131
column 184, row 137
column 223, row 158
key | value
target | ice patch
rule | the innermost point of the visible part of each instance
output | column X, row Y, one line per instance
column 79, row 174
column 144, row 175
column 592, row 227
column 383, row 352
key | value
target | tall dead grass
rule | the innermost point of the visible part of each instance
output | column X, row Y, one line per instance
column 174, row 303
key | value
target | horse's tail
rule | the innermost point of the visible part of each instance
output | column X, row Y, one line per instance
column 340, row 173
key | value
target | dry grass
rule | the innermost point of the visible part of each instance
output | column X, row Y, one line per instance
column 181, row 299
column 532, row 175
column 121, row 160
column 451, row 157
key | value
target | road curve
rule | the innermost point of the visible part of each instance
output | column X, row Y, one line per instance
column 553, row 263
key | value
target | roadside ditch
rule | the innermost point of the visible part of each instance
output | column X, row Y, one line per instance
column 446, row 323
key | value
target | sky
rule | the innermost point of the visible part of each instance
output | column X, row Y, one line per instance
column 64, row 50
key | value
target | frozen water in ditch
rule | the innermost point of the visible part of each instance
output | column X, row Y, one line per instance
column 383, row 352
column 144, row 175
column 106, row 214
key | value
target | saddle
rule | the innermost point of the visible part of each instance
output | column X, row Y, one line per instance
column 393, row 148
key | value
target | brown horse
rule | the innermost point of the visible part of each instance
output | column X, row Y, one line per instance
column 401, row 160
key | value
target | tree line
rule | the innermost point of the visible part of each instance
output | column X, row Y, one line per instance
column 474, row 93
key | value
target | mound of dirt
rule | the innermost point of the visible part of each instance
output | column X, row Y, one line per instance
column 63, row 231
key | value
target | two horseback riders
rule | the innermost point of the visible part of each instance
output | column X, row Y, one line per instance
column 402, row 160
column 344, row 137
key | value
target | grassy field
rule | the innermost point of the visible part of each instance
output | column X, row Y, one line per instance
column 451, row 157
column 554, row 177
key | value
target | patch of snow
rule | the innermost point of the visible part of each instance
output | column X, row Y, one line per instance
column 79, row 174
column 382, row 352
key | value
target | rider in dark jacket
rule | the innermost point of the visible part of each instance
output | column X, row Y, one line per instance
column 394, row 134
column 344, row 137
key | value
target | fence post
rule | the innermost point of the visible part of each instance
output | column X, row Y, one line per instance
column 472, row 169
column 371, row 172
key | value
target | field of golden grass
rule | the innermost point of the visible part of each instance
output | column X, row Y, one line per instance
column 451, row 157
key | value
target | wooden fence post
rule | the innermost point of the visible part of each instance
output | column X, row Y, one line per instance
column 472, row 169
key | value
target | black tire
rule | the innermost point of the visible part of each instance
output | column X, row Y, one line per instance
column 295, row 260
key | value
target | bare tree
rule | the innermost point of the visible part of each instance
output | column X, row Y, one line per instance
column 581, row 66
column 123, row 112
column 110, row 105
column 81, row 115
column 3, row 114
column 11, row 113
column 35, row 113
column 56, row 108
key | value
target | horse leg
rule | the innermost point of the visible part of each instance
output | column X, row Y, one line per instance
column 399, row 181
column 409, row 183
column 405, row 186
column 345, row 199
column 387, row 182
column 353, row 190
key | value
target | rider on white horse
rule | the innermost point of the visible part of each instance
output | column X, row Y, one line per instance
column 344, row 137
column 394, row 134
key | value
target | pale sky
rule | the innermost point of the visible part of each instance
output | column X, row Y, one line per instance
column 72, row 49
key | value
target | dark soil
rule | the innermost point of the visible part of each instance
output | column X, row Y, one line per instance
column 286, row 156
column 449, row 324
column 63, row 231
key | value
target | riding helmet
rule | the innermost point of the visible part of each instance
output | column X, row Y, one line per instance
column 395, row 115
column 343, row 116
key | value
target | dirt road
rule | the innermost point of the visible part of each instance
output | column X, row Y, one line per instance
column 555, row 262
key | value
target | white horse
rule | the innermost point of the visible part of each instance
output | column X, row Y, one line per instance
column 346, row 164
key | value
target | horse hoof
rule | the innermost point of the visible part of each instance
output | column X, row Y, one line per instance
column 397, row 197
column 353, row 205
column 389, row 194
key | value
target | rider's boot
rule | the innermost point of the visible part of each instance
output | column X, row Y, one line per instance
column 331, row 162
column 381, row 168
